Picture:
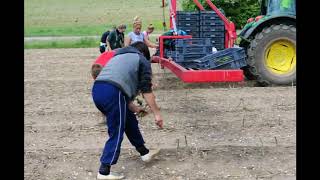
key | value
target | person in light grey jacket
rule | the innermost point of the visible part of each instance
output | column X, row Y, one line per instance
column 126, row 75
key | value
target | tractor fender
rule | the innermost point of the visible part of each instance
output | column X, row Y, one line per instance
column 279, row 19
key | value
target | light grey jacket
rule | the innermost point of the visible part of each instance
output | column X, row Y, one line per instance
column 128, row 70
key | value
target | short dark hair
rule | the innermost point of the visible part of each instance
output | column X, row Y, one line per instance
column 143, row 48
column 122, row 26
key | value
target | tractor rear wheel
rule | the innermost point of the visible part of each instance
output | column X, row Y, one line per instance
column 272, row 56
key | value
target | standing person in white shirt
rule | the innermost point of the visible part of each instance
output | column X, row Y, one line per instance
column 137, row 35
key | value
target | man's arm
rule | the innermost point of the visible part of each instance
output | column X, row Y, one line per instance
column 149, row 43
column 151, row 101
column 145, row 86
column 127, row 41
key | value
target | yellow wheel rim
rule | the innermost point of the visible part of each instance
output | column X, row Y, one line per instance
column 280, row 57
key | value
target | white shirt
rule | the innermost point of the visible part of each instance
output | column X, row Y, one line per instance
column 136, row 37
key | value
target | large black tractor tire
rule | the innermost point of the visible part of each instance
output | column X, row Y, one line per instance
column 246, row 70
column 259, row 60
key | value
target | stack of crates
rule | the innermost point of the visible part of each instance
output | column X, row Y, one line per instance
column 189, row 22
column 190, row 49
column 202, row 24
column 212, row 26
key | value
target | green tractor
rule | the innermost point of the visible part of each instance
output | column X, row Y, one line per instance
column 270, row 43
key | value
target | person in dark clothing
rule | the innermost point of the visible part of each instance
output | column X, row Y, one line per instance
column 169, row 44
column 103, row 40
column 116, row 38
column 113, row 93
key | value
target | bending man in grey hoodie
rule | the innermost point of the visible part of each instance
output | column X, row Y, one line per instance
column 125, row 75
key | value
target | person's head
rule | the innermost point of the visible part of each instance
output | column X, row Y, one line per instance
column 143, row 48
column 137, row 25
column 150, row 28
column 121, row 28
column 95, row 70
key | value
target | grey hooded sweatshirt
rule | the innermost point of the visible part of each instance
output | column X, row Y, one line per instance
column 128, row 70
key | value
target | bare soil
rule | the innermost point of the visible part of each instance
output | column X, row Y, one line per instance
column 212, row 131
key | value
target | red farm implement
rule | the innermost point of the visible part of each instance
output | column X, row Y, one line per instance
column 200, row 76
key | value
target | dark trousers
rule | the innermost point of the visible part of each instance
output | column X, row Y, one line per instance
column 114, row 104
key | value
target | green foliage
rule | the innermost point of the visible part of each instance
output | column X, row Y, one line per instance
column 237, row 11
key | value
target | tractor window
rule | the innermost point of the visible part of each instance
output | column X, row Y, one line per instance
column 263, row 7
column 276, row 7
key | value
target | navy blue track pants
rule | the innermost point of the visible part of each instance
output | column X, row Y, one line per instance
column 113, row 103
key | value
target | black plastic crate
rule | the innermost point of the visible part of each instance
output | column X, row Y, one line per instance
column 187, row 18
column 230, row 58
column 194, row 34
column 211, row 22
column 217, row 40
column 186, row 15
column 194, row 50
column 185, row 57
column 180, row 57
column 193, row 42
column 237, row 64
column 209, row 15
column 188, row 23
column 208, row 34
column 189, row 28
column 212, row 28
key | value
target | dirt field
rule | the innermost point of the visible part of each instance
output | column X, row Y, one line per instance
column 212, row 131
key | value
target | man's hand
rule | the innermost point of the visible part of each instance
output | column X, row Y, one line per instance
column 159, row 121
column 150, row 99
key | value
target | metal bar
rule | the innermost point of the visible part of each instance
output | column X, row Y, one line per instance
column 199, row 5
column 172, row 9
